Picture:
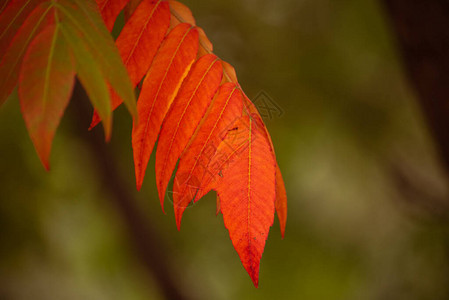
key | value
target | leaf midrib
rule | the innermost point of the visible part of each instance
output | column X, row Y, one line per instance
column 141, row 33
column 14, row 19
column 48, row 69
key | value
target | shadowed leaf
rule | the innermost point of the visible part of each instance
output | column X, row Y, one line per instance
column 12, row 60
column 16, row 12
column 83, row 16
column 90, row 76
column 109, row 10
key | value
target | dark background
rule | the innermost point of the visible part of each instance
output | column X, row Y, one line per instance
column 365, row 178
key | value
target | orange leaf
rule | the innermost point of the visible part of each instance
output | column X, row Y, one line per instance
column 206, row 45
column 189, row 98
column 109, row 10
column 281, row 194
column 141, row 37
column 139, row 41
column 184, row 116
column 170, row 66
column 247, row 194
column 229, row 73
column 192, row 170
column 12, row 60
column 46, row 82
column 233, row 141
column 181, row 13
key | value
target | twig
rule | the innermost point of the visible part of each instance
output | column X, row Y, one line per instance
column 149, row 247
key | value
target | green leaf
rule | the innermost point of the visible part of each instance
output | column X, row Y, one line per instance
column 85, row 18
column 89, row 73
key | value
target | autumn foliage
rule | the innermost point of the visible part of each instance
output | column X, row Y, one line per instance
column 190, row 103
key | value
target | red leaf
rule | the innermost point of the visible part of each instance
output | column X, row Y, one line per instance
column 12, row 19
column 281, row 200
column 221, row 142
column 185, row 114
column 130, row 8
column 193, row 174
column 169, row 68
column 109, row 10
column 3, row 6
column 46, row 83
column 139, row 41
column 247, row 193
column 12, row 60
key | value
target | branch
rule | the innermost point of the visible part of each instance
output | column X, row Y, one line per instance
column 422, row 32
column 149, row 247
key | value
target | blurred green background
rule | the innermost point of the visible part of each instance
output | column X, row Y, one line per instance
column 363, row 180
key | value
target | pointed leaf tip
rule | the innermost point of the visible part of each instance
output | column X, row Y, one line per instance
column 161, row 84
column 281, row 201
column 90, row 31
column 107, row 125
column 138, row 44
column 89, row 74
column 248, row 213
column 184, row 116
column 193, row 176
column 46, row 82
column 109, row 10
